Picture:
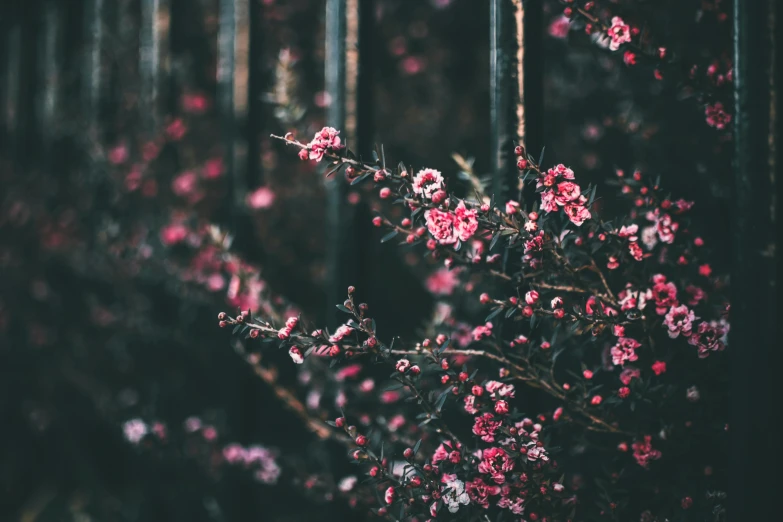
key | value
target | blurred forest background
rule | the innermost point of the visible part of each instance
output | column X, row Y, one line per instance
column 118, row 392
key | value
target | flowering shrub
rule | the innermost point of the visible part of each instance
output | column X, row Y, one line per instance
column 582, row 393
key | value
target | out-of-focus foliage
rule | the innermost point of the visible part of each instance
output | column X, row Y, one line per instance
column 111, row 279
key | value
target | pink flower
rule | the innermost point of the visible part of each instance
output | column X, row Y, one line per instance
column 636, row 251
column 403, row 365
column 665, row 295
column 708, row 337
column 213, row 169
column 495, row 462
column 348, row 372
column 716, row 116
column 441, row 226
column 470, row 404
column 629, row 232
column 296, row 355
column 173, row 234
column 341, row 333
column 176, row 130
column 659, row 367
column 629, row 374
column 481, row 332
column 194, row 103
column 498, row 389
column 512, row 207
column 535, row 244
column 443, row 281
column 548, row 202
column 679, row 320
column 666, row 228
column 184, row 184
column 578, row 214
column 427, row 182
column 389, row 495
column 118, row 154
column 619, row 33
column 479, row 492
column 567, row 191
column 559, row 27
column 262, row 197
column 624, row 350
column 466, row 222
column 696, row 293
column 485, row 427
column 643, row 451
column 325, row 141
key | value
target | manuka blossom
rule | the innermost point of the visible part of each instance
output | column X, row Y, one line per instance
column 485, row 427
column 465, row 221
column 441, row 226
column 619, row 33
column 482, row 331
column 325, row 141
column 455, row 495
column 403, row 365
column 664, row 293
column 716, row 116
column 296, row 355
column 443, row 281
column 708, row 337
column 643, row 451
column 479, row 491
column 427, row 182
column 495, row 462
column 341, row 333
column 499, row 389
column 560, row 191
column 679, row 320
column 134, row 430
column 628, row 374
column 624, row 350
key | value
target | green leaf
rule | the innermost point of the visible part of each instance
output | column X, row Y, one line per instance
column 361, row 178
column 389, row 236
column 344, row 309
column 416, row 447
column 494, row 314
column 334, row 169
column 494, row 240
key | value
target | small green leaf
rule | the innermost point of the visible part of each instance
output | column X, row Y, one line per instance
column 389, row 236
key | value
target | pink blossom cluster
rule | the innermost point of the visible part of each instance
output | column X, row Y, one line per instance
column 263, row 461
column 619, row 33
column 450, row 227
column 326, row 141
column 559, row 191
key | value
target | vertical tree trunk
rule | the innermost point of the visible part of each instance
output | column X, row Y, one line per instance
column 755, row 334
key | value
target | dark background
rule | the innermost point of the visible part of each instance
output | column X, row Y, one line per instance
column 92, row 334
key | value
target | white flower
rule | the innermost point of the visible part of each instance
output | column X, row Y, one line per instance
column 347, row 483
column 649, row 237
column 456, row 496
column 135, row 430
column 296, row 355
